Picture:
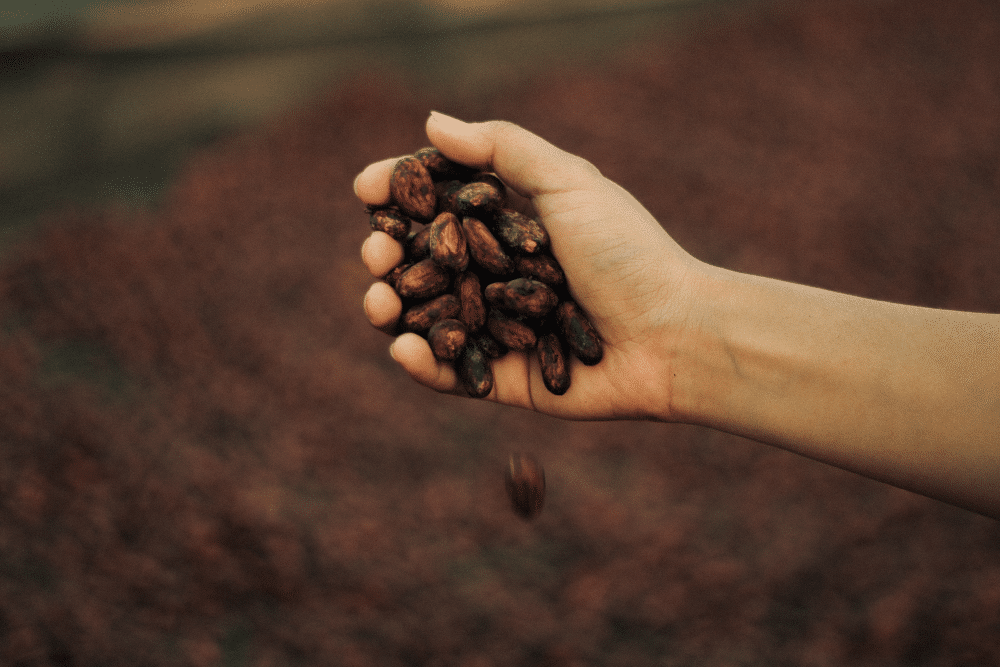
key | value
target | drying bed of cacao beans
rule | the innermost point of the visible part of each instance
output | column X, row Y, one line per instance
column 477, row 278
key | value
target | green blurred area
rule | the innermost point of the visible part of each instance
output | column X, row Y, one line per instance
column 102, row 103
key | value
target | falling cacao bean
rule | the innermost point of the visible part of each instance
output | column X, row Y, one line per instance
column 524, row 479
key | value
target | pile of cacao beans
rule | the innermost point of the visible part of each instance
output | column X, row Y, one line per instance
column 477, row 278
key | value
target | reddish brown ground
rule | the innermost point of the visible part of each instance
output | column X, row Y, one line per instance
column 208, row 457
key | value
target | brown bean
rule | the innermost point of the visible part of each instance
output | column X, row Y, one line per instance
column 423, row 280
column 479, row 197
column 541, row 267
column 484, row 247
column 393, row 276
column 475, row 372
column 447, row 243
column 418, row 244
column 513, row 334
column 579, row 334
column 555, row 369
column 491, row 347
column 412, row 189
column 440, row 167
column 420, row 318
column 447, row 339
column 519, row 232
column 529, row 297
column 391, row 221
column 470, row 295
column 524, row 479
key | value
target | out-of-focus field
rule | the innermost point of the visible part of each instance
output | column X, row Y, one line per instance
column 208, row 458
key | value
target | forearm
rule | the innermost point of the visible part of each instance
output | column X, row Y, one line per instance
column 902, row 394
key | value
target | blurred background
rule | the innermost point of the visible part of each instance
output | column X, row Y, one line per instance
column 103, row 100
column 208, row 458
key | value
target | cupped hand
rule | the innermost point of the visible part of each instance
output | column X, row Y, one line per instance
column 634, row 282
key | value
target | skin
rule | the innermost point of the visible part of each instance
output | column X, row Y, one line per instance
column 902, row 394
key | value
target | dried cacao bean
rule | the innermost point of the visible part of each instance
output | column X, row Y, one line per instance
column 418, row 244
column 541, row 267
column 492, row 179
column 446, row 191
column 390, row 221
column 393, row 276
column 555, row 369
column 524, row 479
column 447, row 339
column 579, row 333
column 513, row 334
column 490, row 346
column 412, row 189
column 420, row 318
column 529, row 297
column 423, row 280
column 519, row 232
column 478, row 197
column 496, row 294
column 484, row 247
column 470, row 295
column 440, row 167
column 475, row 372
column 447, row 243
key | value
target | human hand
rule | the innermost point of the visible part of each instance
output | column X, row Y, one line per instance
column 623, row 269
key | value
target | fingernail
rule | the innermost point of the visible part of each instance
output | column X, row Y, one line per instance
column 392, row 352
column 355, row 184
column 445, row 119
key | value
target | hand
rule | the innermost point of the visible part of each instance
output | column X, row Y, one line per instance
column 634, row 282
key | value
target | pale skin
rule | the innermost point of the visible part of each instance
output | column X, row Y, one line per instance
column 901, row 394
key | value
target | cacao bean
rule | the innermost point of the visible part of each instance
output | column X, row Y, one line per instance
column 445, row 192
column 470, row 295
column 447, row 339
column 423, row 280
column 524, row 479
column 420, row 318
column 418, row 244
column 492, row 179
column 475, row 372
column 390, row 221
column 496, row 294
column 579, row 333
column 555, row 369
column 490, row 346
column 447, row 243
column 520, row 232
column 513, row 334
column 529, row 297
column 479, row 197
column 393, row 276
column 484, row 247
column 541, row 267
column 412, row 189
column 440, row 167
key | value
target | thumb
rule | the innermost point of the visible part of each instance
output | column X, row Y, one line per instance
column 528, row 164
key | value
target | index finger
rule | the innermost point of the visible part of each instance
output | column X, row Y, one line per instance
column 372, row 185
